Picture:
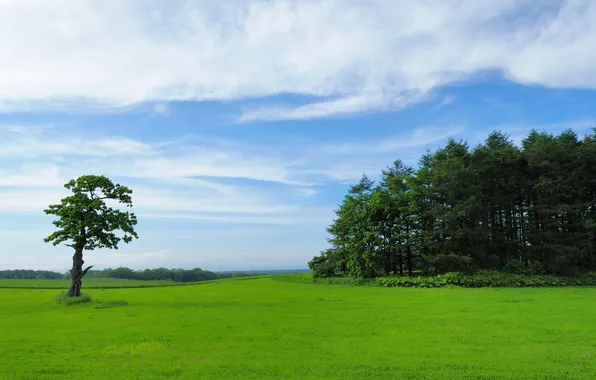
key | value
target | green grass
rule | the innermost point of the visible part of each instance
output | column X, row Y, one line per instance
column 88, row 283
column 267, row 329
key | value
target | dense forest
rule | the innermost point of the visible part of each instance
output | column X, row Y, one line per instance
column 177, row 275
column 528, row 209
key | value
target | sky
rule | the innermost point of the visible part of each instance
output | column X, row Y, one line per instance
column 240, row 124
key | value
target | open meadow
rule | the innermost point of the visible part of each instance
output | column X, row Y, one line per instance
column 264, row 328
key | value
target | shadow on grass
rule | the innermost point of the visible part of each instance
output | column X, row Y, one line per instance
column 110, row 304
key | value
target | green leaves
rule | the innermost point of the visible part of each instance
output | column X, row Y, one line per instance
column 84, row 219
column 486, row 279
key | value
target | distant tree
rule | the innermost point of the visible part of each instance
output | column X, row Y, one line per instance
column 86, row 222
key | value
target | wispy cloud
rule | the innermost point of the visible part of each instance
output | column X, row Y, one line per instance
column 28, row 200
column 353, row 56
column 161, row 109
column 342, row 106
column 21, row 141
column 32, row 176
column 186, row 180
column 418, row 137
column 320, row 219
column 446, row 101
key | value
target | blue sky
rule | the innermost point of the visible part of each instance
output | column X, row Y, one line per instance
column 240, row 125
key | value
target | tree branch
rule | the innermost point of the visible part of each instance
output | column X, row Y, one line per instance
column 87, row 270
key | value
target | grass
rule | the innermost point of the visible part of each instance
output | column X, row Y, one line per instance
column 88, row 283
column 63, row 298
column 266, row 329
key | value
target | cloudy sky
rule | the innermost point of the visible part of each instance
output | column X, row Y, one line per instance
column 239, row 124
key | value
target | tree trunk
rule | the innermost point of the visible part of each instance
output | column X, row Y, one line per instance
column 77, row 273
column 409, row 251
column 409, row 258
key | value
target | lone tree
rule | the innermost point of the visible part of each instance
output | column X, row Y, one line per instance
column 86, row 222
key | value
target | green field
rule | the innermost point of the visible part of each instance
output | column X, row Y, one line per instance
column 262, row 328
column 91, row 283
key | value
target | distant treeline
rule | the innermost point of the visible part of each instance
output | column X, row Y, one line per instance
column 29, row 274
column 177, row 275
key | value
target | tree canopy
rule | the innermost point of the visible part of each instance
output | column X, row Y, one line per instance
column 86, row 222
column 528, row 208
column 84, row 218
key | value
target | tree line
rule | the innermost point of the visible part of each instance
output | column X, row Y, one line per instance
column 528, row 209
column 162, row 274
column 177, row 275
column 29, row 274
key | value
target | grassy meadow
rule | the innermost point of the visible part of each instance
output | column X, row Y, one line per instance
column 262, row 328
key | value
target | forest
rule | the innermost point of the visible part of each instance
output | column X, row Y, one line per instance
column 526, row 208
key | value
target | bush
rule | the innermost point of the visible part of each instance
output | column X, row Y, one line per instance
column 441, row 264
column 322, row 267
column 310, row 278
column 487, row 279
column 529, row 269
column 62, row 298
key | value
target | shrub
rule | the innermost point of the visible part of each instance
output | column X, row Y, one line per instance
column 322, row 267
column 487, row 279
column 62, row 298
column 309, row 278
column 529, row 269
column 441, row 264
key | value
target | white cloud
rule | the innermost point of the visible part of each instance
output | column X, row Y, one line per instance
column 240, row 201
column 211, row 163
column 355, row 56
column 342, row 106
column 182, row 161
column 143, row 255
column 304, row 217
column 32, row 176
column 23, row 141
column 161, row 109
column 28, row 200
column 418, row 137
column 306, row 191
column 171, row 180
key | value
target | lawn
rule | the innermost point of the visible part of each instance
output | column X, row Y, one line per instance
column 262, row 328
column 90, row 283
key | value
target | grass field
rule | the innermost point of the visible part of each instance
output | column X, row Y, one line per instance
column 90, row 283
column 262, row 328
